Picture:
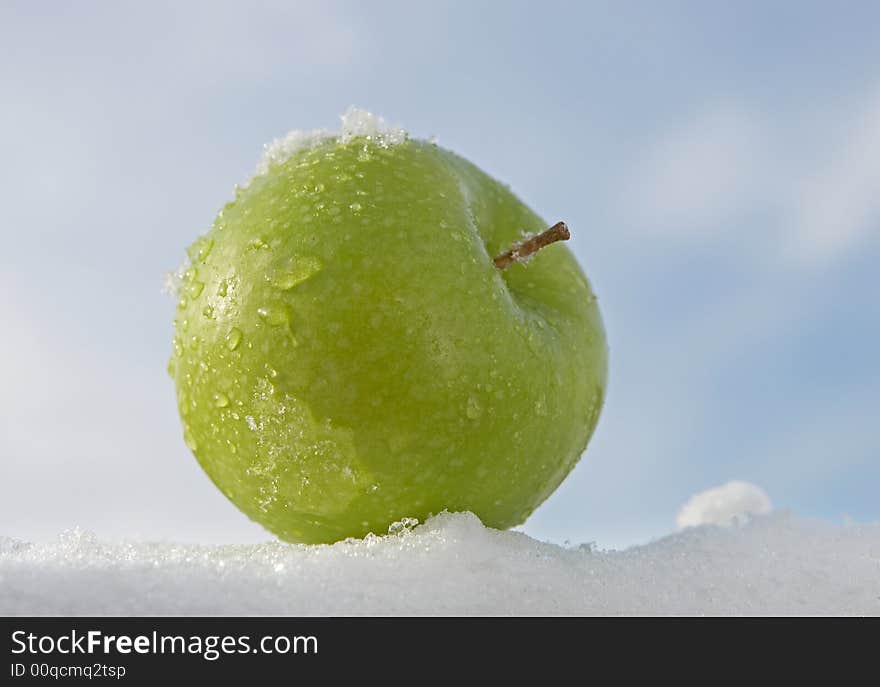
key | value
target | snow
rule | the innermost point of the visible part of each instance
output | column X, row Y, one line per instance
column 725, row 505
column 772, row 564
column 172, row 281
column 283, row 148
column 355, row 123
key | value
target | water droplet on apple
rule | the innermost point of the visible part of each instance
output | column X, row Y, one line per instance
column 233, row 338
column 295, row 271
column 540, row 407
column 474, row 408
column 189, row 439
column 264, row 389
column 195, row 289
column 221, row 400
column 208, row 311
column 205, row 248
column 199, row 250
column 355, row 207
column 223, row 289
column 277, row 317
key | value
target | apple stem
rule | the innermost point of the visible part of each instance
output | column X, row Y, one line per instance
column 528, row 245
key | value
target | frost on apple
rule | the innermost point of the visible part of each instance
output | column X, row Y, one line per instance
column 283, row 148
column 452, row 564
column 355, row 122
column 728, row 504
column 173, row 280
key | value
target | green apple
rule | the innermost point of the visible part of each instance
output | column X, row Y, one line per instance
column 348, row 351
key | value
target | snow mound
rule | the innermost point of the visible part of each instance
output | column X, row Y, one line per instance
column 452, row 565
column 355, row 123
column 725, row 505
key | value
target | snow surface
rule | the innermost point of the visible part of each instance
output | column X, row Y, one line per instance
column 725, row 505
column 451, row 565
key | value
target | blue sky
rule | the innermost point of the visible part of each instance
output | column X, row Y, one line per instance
column 719, row 164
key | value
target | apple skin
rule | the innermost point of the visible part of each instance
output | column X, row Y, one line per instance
column 346, row 354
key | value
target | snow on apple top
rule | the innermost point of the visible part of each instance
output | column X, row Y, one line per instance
column 355, row 123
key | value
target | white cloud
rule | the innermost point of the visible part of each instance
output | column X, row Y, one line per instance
column 701, row 172
column 731, row 503
column 814, row 183
column 838, row 203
